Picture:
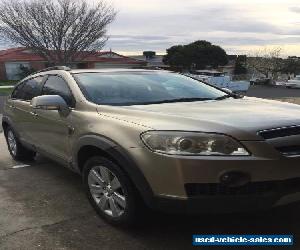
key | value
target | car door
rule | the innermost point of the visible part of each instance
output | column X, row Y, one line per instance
column 23, row 119
column 52, row 127
column 14, row 111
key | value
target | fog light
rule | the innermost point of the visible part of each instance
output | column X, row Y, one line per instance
column 235, row 179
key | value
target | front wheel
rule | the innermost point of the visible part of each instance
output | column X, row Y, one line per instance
column 110, row 191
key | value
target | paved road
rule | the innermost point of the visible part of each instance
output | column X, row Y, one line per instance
column 272, row 92
column 43, row 207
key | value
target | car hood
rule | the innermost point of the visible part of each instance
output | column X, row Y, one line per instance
column 241, row 118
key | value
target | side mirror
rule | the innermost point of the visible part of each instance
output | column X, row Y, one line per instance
column 50, row 102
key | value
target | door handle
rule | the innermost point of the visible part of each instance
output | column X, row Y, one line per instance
column 33, row 113
column 11, row 106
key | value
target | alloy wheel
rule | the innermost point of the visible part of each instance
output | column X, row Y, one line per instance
column 12, row 143
column 107, row 191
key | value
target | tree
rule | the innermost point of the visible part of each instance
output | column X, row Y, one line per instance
column 149, row 54
column 198, row 55
column 58, row 30
column 292, row 65
column 267, row 61
column 240, row 65
column 176, row 57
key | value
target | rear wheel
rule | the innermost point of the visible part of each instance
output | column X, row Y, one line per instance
column 110, row 191
column 15, row 148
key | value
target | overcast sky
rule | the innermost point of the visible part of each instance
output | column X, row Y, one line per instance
column 239, row 26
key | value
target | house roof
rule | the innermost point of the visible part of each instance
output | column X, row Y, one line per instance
column 27, row 55
column 19, row 54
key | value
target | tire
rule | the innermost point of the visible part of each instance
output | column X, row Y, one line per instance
column 15, row 148
column 114, row 196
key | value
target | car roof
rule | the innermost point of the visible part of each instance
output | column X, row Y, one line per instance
column 112, row 70
column 76, row 71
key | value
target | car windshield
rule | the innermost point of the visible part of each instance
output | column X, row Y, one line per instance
column 141, row 88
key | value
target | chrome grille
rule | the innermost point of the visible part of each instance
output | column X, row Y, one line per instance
column 279, row 132
column 286, row 140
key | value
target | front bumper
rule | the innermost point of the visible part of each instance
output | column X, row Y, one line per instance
column 169, row 176
column 223, row 204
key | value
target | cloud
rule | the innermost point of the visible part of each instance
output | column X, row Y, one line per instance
column 157, row 25
column 294, row 9
column 137, row 37
column 204, row 19
column 230, row 23
column 224, row 40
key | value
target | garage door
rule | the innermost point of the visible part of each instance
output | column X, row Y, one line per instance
column 13, row 69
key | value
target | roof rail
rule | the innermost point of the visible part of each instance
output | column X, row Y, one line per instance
column 54, row 68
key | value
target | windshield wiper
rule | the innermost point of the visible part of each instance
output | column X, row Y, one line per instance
column 177, row 100
column 194, row 99
column 223, row 97
column 233, row 95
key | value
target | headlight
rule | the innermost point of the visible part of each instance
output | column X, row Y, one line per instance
column 192, row 143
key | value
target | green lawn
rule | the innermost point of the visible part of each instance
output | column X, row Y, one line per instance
column 5, row 91
column 7, row 82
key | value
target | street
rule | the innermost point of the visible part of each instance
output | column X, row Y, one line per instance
column 272, row 92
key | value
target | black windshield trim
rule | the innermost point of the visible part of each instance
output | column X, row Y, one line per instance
column 159, row 102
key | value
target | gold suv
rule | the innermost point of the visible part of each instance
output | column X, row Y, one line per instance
column 157, row 138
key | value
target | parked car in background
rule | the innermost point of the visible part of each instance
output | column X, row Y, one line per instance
column 293, row 83
column 157, row 138
column 260, row 81
column 220, row 79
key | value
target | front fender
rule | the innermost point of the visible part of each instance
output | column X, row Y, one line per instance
column 116, row 152
column 9, row 122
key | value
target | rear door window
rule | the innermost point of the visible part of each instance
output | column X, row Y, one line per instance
column 28, row 89
column 17, row 91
